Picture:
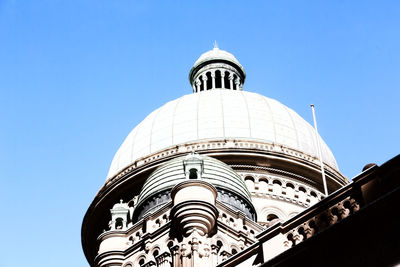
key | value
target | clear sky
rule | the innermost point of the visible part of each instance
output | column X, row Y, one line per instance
column 77, row 76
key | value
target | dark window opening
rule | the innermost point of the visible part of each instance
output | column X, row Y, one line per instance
column 119, row 223
column 193, row 174
column 272, row 217
column 277, row 182
column 289, row 185
column 155, row 253
column 226, row 80
column 218, row 82
column 209, row 80
column 201, row 83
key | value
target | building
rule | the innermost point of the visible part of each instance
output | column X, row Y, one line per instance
column 228, row 177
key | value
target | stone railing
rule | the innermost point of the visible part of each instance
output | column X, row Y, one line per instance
column 321, row 221
column 372, row 186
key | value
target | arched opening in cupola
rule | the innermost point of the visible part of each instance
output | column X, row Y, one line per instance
column 201, row 84
column 193, row 174
column 209, row 80
column 226, row 80
column 218, row 82
column 119, row 223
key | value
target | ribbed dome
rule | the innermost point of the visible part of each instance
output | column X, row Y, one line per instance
column 216, row 53
column 215, row 172
column 219, row 115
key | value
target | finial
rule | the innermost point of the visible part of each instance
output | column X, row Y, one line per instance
column 215, row 45
column 121, row 201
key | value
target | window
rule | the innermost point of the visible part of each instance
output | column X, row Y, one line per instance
column 271, row 217
column 192, row 174
column 119, row 224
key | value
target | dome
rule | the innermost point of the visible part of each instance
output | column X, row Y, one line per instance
column 232, row 190
column 219, row 115
column 216, row 54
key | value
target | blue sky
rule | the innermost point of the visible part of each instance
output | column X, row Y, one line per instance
column 77, row 76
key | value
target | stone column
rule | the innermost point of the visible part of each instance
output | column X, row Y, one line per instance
column 237, row 82
column 204, row 82
column 231, row 80
column 198, row 83
column 223, row 79
column 213, row 79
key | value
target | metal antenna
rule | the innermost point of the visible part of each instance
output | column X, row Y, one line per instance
column 319, row 151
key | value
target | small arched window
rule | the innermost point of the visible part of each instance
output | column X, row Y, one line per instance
column 226, row 80
column 249, row 181
column 193, row 174
column 263, row 184
column 271, row 217
column 209, row 80
column 313, row 194
column 201, row 83
column 218, row 82
column 119, row 223
column 155, row 253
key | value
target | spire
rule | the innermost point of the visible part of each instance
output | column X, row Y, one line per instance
column 216, row 45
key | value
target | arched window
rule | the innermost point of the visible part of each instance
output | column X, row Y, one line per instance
column 192, row 174
column 209, row 80
column 226, row 80
column 290, row 190
column 141, row 262
column 234, row 251
column 263, row 184
column 218, row 82
column 201, row 83
column 119, row 223
column 277, row 186
column 155, row 253
column 302, row 193
column 249, row 181
column 271, row 217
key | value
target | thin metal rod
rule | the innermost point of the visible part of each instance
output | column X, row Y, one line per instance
column 319, row 151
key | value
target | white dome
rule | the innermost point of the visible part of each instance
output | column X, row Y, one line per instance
column 219, row 114
column 217, row 54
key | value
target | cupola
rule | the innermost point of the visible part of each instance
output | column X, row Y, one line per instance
column 231, row 189
column 216, row 69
